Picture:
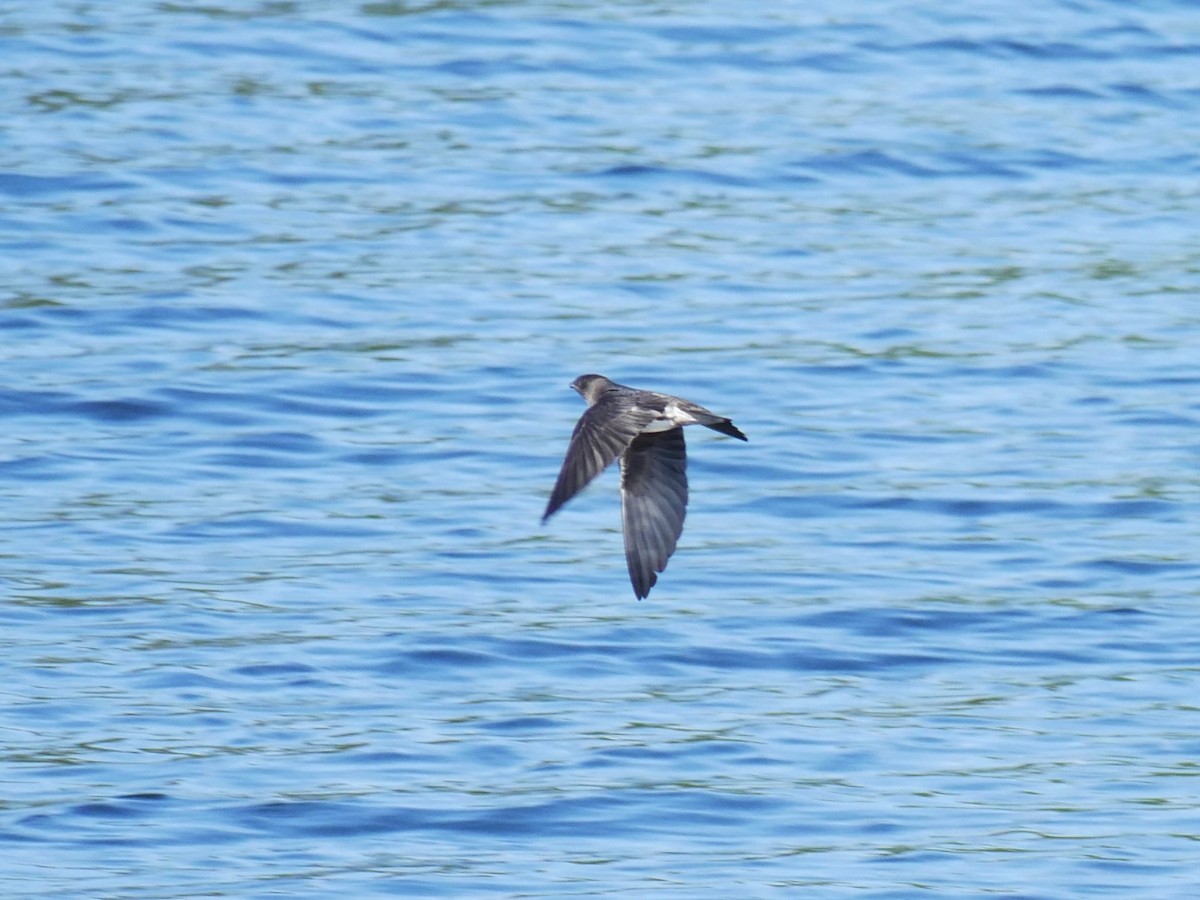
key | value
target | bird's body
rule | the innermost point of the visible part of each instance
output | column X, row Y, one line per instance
column 644, row 430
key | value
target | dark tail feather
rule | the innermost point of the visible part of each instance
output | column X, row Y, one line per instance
column 726, row 427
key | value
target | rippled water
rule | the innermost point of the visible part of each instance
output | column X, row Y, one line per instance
column 291, row 296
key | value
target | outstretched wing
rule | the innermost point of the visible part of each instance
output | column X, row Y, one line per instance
column 601, row 435
column 654, row 496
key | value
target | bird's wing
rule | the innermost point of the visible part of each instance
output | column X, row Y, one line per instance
column 601, row 435
column 654, row 496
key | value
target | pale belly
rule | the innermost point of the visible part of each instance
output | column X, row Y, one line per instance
column 672, row 417
column 659, row 425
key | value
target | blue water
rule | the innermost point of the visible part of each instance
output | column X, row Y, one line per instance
column 291, row 295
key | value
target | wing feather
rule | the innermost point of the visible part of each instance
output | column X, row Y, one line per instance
column 654, row 495
column 601, row 435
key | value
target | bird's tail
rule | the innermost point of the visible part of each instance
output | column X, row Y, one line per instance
column 726, row 427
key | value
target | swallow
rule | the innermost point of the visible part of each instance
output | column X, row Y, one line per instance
column 643, row 429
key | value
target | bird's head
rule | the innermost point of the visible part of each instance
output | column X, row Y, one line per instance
column 590, row 387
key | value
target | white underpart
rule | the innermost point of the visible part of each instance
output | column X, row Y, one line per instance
column 671, row 417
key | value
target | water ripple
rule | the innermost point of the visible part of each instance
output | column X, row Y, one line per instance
column 293, row 301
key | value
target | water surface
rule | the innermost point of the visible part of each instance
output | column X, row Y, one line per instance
column 291, row 297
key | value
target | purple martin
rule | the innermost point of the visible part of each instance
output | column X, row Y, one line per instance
column 644, row 430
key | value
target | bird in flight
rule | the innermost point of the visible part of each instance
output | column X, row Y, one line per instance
column 644, row 430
